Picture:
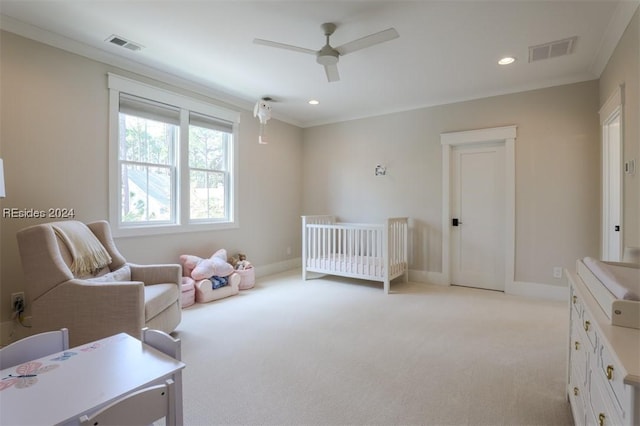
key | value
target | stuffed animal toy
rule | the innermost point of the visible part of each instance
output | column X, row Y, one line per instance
column 233, row 261
column 206, row 276
column 239, row 262
column 202, row 269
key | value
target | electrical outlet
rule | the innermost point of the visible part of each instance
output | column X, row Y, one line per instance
column 557, row 272
column 17, row 302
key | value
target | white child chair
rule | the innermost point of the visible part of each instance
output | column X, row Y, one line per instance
column 169, row 346
column 34, row 347
column 139, row 408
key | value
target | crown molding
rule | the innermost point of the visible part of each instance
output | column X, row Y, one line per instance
column 615, row 29
column 58, row 41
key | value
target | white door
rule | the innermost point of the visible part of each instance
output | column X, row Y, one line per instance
column 612, row 188
column 478, row 204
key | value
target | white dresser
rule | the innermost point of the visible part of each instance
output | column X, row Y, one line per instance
column 603, row 382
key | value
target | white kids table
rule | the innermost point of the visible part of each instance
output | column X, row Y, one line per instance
column 59, row 388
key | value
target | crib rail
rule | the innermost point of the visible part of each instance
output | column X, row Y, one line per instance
column 398, row 243
column 369, row 251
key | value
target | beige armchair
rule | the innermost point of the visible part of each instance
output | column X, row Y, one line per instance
column 100, row 305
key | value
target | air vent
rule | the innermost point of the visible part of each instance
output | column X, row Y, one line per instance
column 552, row 49
column 122, row 42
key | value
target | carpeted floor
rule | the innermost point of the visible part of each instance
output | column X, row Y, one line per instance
column 334, row 351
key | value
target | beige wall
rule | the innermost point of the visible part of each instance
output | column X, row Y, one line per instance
column 624, row 68
column 557, row 178
column 53, row 140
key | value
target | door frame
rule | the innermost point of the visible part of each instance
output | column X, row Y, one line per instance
column 503, row 135
column 612, row 108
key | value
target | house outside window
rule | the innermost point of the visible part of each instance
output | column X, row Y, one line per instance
column 172, row 164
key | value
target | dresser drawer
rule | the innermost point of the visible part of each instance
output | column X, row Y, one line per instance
column 577, row 393
column 589, row 327
column 579, row 350
column 602, row 411
column 611, row 375
column 576, row 303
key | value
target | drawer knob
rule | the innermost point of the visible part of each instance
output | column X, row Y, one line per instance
column 601, row 418
column 587, row 324
column 609, row 372
column 577, row 345
column 575, row 391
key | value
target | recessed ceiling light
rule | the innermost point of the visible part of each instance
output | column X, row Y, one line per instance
column 313, row 102
column 507, row 60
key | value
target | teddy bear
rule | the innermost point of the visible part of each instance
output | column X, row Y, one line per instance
column 239, row 262
column 207, row 275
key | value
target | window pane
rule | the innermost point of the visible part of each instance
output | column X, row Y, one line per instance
column 207, row 148
column 207, row 195
column 146, row 141
column 146, row 193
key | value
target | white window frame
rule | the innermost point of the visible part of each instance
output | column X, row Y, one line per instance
column 118, row 84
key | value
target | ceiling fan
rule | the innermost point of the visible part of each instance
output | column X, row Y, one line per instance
column 328, row 56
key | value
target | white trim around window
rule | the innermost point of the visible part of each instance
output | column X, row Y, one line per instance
column 186, row 104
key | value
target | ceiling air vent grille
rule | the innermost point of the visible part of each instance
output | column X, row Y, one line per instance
column 122, row 42
column 553, row 49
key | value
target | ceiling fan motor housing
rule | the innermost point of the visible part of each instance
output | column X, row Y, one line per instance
column 327, row 56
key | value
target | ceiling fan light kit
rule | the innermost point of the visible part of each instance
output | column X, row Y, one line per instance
column 329, row 56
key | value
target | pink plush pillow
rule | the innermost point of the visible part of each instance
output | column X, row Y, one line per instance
column 188, row 262
column 216, row 265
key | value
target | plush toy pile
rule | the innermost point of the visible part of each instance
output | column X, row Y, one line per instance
column 202, row 269
column 207, row 275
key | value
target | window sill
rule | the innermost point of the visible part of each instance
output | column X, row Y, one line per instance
column 141, row 231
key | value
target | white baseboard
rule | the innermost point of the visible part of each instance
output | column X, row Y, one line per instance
column 538, row 290
column 278, row 267
column 427, row 277
column 519, row 288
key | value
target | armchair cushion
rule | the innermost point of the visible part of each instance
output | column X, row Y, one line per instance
column 155, row 274
column 122, row 274
column 159, row 297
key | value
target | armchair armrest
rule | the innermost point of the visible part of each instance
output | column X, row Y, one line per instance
column 156, row 274
column 91, row 310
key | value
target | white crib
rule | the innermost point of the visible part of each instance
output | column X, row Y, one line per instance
column 376, row 252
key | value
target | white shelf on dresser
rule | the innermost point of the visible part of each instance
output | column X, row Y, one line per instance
column 603, row 383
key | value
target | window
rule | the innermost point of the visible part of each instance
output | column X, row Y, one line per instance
column 209, row 142
column 172, row 161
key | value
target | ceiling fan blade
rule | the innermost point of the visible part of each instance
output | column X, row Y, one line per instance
column 283, row 46
column 332, row 72
column 370, row 40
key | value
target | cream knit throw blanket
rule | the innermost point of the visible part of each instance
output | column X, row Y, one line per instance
column 87, row 253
